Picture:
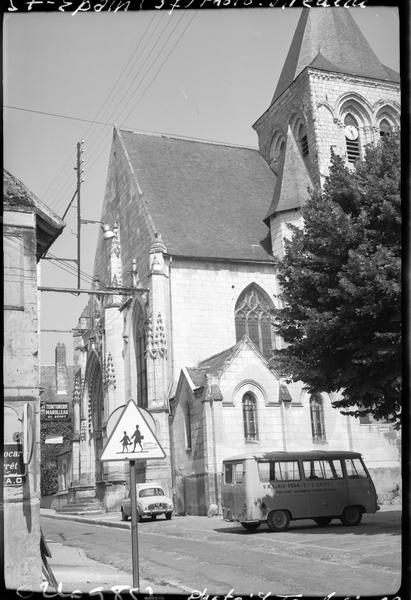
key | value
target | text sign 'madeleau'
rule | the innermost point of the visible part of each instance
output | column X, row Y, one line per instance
column 14, row 470
column 56, row 410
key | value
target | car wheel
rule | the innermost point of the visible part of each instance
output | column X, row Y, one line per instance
column 323, row 521
column 278, row 520
column 168, row 515
column 351, row 516
column 250, row 526
column 139, row 518
column 124, row 517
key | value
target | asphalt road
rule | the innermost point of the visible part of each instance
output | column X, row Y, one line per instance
column 198, row 553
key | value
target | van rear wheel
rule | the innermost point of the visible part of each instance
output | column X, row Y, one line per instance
column 352, row 515
column 323, row 521
column 278, row 520
column 250, row 526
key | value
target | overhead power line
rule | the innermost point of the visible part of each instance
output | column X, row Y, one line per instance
column 49, row 114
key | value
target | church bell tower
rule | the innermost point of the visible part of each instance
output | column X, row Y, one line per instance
column 333, row 94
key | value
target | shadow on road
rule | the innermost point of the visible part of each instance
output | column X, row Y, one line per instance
column 391, row 526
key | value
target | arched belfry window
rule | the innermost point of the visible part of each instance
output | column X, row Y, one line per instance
column 303, row 139
column 317, row 418
column 139, row 334
column 253, row 318
column 352, row 138
column 250, row 417
column 385, row 128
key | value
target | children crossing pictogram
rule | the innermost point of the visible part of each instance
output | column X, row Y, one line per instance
column 132, row 430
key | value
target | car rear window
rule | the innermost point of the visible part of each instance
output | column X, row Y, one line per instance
column 151, row 492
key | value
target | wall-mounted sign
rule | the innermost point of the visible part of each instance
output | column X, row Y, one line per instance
column 53, row 439
column 14, row 469
column 56, row 410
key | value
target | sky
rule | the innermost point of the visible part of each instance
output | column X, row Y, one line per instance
column 204, row 74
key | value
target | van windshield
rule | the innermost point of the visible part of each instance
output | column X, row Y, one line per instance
column 355, row 468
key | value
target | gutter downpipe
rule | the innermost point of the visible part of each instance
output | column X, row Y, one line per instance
column 214, row 452
column 172, row 458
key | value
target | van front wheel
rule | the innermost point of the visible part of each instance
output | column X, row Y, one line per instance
column 278, row 520
column 352, row 515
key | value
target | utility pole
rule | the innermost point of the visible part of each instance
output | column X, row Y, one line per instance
column 80, row 179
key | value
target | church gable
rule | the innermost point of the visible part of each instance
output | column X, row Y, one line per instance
column 247, row 367
column 219, row 376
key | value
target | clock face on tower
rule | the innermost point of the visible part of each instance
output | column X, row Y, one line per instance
column 351, row 132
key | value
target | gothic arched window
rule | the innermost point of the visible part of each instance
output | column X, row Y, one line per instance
column 250, row 417
column 317, row 418
column 385, row 128
column 352, row 141
column 253, row 318
column 140, row 349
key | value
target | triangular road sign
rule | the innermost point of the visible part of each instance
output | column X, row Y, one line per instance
column 132, row 438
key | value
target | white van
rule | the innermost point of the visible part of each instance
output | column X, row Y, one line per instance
column 276, row 487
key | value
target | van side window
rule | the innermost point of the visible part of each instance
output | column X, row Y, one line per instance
column 239, row 473
column 337, row 469
column 228, row 473
column 354, row 468
column 284, row 470
column 264, row 471
column 321, row 469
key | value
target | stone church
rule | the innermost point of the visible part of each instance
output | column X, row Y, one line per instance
column 198, row 228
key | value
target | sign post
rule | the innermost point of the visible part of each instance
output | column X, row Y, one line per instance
column 133, row 425
column 134, row 525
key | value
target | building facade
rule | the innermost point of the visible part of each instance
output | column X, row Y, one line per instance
column 56, row 396
column 198, row 229
column 29, row 228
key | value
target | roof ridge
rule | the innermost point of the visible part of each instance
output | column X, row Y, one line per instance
column 186, row 138
column 227, row 350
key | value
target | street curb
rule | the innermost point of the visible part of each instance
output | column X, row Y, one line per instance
column 119, row 525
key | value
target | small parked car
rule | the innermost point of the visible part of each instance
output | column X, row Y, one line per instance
column 151, row 502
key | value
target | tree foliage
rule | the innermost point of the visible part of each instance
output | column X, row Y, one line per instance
column 341, row 287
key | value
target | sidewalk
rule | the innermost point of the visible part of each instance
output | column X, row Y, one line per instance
column 73, row 569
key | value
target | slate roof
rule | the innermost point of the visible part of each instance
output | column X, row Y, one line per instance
column 211, row 365
column 332, row 41
column 16, row 196
column 207, row 200
column 293, row 181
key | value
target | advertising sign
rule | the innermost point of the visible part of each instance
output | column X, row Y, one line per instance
column 14, row 471
column 56, row 410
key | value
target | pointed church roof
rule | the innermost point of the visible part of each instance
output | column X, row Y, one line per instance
column 293, row 180
column 330, row 39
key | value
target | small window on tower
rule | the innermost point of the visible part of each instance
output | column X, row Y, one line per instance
column 304, row 145
column 303, row 139
column 351, row 138
column 385, row 128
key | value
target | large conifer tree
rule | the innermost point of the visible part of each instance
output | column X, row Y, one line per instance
column 341, row 287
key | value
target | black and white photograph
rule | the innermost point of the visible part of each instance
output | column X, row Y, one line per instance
column 202, row 251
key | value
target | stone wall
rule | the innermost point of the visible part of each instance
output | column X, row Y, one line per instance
column 203, row 298
column 21, row 387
